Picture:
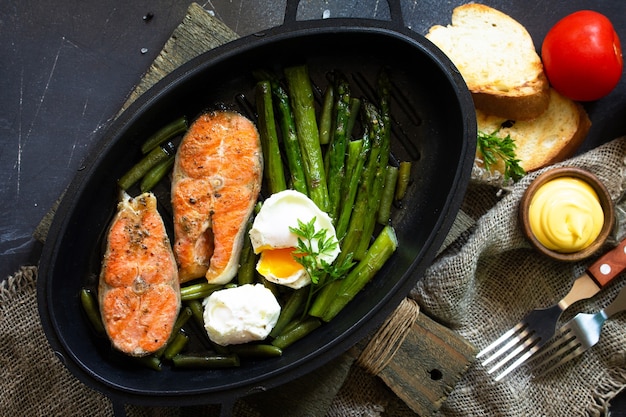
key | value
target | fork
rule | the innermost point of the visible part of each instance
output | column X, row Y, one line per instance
column 537, row 327
column 577, row 336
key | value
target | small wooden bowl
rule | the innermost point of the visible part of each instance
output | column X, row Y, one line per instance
column 605, row 202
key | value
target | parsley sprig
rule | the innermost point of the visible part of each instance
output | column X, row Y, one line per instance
column 308, row 254
column 494, row 148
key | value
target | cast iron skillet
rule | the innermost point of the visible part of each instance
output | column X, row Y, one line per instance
column 434, row 126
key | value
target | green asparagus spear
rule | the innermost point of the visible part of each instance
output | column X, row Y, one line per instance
column 324, row 298
column 381, row 250
column 338, row 145
column 302, row 103
column 365, row 193
column 273, row 163
column 290, row 139
column 357, row 154
column 355, row 106
column 404, row 176
column 352, row 219
column 373, row 203
column 247, row 260
column 326, row 116
column 386, row 200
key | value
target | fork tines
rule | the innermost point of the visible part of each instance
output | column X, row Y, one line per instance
column 564, row 347
column 516, row 345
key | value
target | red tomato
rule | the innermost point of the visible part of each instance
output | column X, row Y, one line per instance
column 582, row 56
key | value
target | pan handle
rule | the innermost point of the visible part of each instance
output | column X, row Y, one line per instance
column 395, row 10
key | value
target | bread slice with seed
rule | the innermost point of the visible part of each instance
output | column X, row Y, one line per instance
column 497, row 59
column 551, row 137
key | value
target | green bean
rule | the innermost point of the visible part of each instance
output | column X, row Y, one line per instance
column 404, row 176
column 389, row 189
column 291, row 325
column 381, row 250
column 176, row 346
column 157, row 155
column 166, row 133
column 303, row 329
column 156, row 174
column 269, row 285
column 197, row 311
column 197, row 291
column 90, row 306
column 205, row 361
column 183, row 317
column 326, row 115
column 273, row 163
column 302, row 104
column 295, row 304
column 256, row 351
column 150, row 361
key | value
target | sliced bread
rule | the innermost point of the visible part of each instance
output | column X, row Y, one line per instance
column 551, row 137
column 497, row 59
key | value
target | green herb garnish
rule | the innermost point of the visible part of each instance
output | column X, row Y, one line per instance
column 494, row 148
column 308, row 254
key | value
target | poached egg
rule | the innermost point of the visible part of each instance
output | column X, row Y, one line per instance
column 240, row 314
column 275, row 242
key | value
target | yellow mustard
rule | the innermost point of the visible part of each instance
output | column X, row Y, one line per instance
column 565, row 214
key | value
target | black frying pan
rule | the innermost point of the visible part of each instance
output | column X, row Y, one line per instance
column 434, row 126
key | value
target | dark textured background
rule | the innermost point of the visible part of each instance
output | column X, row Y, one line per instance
column 66, row 67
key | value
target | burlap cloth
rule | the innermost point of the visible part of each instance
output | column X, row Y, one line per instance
column 484, row 282
column 489, row 279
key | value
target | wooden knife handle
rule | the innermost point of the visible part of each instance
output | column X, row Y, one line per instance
column 610, row 265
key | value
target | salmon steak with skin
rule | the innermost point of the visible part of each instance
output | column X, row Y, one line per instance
column 139, row 290
column 216, row 181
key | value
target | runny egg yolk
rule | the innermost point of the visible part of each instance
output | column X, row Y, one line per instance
column 279, row 262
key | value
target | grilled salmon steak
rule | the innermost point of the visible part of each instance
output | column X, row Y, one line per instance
column 215, row 184
column 138, row 290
